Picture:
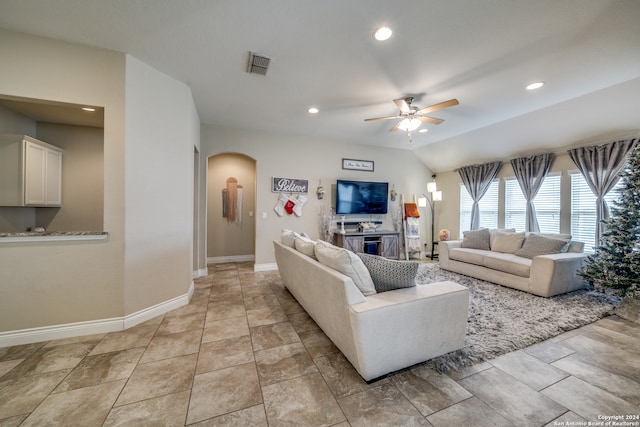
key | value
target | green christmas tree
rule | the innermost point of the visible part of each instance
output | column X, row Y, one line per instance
column 616, row 261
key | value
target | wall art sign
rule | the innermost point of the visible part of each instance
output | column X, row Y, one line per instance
column 289, row 185
column 357, row 165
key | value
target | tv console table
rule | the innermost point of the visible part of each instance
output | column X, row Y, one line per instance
column 383, row 243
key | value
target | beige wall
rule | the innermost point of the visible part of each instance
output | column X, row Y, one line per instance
column 224, row 238
column 288, row 156
column 82, row 178
column 159, row 187
column 66, row 282
column 15, row 123
column 150, row 131
column 14, row 219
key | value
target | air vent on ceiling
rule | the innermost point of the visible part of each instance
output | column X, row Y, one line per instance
column 258, row 64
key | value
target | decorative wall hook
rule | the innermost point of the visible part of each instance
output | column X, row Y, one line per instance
column 320, row 191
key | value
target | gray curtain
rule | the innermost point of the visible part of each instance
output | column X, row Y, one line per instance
column 530, row 173
column 477, row 179
column 601, row 165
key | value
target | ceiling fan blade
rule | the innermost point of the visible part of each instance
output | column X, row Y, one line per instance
column 440, row 106
column 402, row 105
column 396, row 126
column 427, row 119
column 382, row 118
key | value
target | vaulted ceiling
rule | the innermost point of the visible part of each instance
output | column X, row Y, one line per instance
column 323, row 54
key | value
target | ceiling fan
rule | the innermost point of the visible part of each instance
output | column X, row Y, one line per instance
column 411, row 117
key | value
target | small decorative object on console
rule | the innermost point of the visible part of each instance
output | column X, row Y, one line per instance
column 342, row 230
column 367, row 227
column 444, row 234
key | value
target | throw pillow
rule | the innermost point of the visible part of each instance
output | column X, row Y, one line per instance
column 347, row 263
column 390, row 274
column 560, row 236
column 494, row 231
column 305, row 245
column 476, row 239
column 575, row 247
column 536, row 244
column 287, row 237
column 507, row 243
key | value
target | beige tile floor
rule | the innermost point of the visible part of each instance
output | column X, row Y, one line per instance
column 244, row 353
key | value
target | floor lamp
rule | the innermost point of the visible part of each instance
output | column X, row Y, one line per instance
column 436, row 196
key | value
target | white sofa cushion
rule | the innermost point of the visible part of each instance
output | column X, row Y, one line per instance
column 347, row 263
column 537, row 244
column 287, row 237
column 509, row 263
column 494, row 231
column 390, row 274
column 305, row 245
column 506, row 242
column 472, row 256
column 476, row 239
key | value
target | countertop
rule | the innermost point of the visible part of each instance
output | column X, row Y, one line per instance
column 32, row 236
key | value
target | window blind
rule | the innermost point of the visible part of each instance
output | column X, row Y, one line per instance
column 546, row 203
column 514, row 205
column 583, row 210
column 488, row 207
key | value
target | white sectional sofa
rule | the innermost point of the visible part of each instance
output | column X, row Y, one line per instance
column 381, row 332
column 541, row 264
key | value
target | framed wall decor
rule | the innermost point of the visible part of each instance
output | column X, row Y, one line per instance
column 289, row 185
column 357, row 165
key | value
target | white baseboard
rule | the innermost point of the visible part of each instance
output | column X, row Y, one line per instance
column 199, row 273
column 101, row 326
column 265, row 267
column 232, row 258
column 158, row 309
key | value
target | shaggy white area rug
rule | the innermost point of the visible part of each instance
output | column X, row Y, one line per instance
column 502, row 319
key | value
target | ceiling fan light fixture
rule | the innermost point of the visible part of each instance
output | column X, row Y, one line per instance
column 383, row 33
column 409, row 125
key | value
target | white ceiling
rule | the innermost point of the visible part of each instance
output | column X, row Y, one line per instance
column 323, row 54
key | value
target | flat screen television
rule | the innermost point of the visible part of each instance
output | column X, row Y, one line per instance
column 361, row 197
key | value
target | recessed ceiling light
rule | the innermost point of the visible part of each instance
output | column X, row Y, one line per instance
column 423, row 130
column 534, row 86
column 313, row 110
column 383, row 33
column 88, row 109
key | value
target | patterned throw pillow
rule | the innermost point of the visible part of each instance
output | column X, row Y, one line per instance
column 389, row 274
column 536, row 244
column 476, row 239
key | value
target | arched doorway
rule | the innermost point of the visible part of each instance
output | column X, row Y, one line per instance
column 231, row 195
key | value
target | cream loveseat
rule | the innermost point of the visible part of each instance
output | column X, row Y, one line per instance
column 381, row 332
column 541, row 264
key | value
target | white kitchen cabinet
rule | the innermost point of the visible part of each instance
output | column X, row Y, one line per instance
column 30, row 172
